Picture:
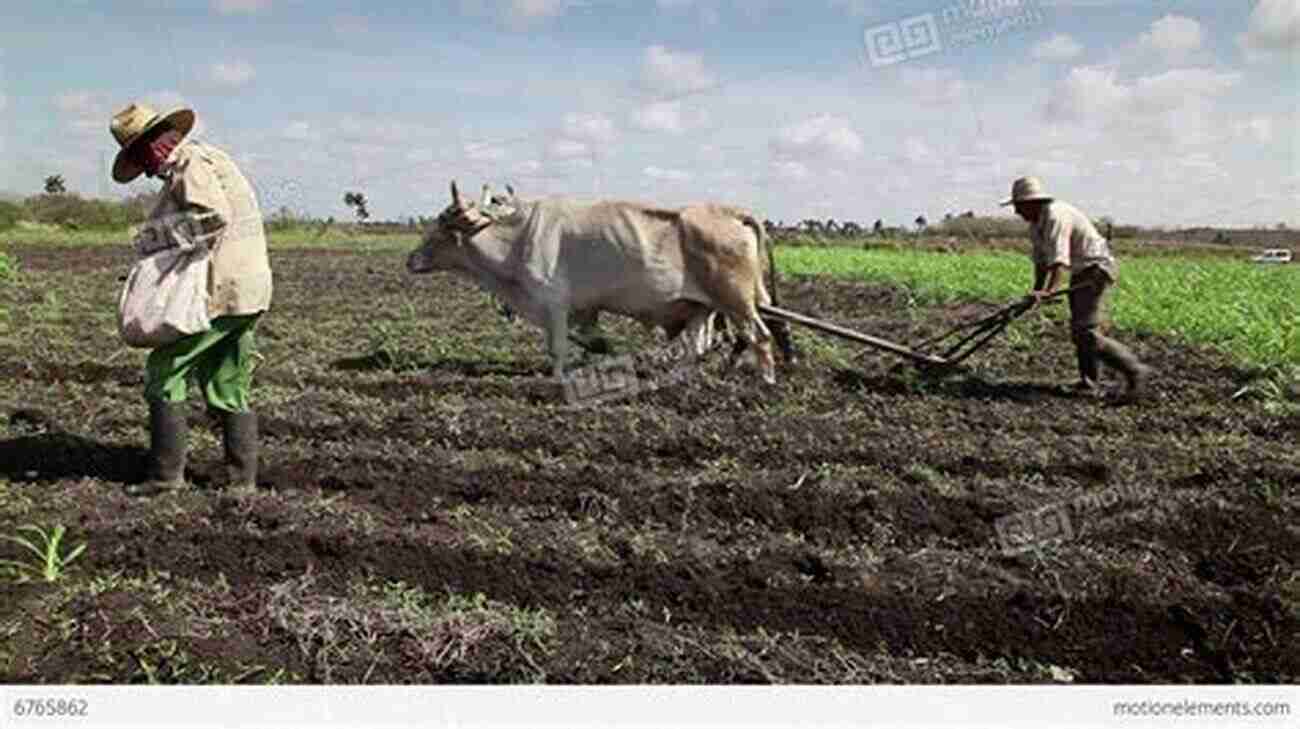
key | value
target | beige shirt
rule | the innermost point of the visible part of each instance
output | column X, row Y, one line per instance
column 200, row 177
column 1065, row 235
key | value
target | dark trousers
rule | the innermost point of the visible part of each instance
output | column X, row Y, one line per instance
column 1086, row 314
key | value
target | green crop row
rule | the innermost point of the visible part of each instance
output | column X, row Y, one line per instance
column 1248, row 310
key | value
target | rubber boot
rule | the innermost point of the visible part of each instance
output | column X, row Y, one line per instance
column 239, row 435
column 1085, row 351
column 1121, row 358
column 168, row 440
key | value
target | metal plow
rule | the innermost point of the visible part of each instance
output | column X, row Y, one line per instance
column 962, row 341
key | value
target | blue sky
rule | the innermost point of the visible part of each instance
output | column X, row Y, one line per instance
column 1159, row 113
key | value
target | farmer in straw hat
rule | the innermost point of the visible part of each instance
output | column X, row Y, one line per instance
column 1062, row 238
column 201, row 183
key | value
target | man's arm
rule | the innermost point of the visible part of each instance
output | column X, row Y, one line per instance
column 1056, row 251
column 202, row 217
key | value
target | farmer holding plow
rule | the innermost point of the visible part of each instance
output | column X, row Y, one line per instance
column 200, row 183
column 1063, row 237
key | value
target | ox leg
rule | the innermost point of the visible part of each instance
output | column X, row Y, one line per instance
column 557, row 339
column 752, row 333
column 589, row 334
column 698, row 333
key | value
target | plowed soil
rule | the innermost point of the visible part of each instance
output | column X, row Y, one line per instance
column 432, row 510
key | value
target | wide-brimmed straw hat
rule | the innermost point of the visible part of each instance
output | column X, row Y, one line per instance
column 131, row 124
column 1026, row 189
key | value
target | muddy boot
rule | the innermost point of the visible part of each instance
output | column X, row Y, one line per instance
column 1089, row 384
column 1135, row 373
column 168, row 439
column 239, row 434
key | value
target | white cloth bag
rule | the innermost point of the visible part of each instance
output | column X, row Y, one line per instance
column 165, row 296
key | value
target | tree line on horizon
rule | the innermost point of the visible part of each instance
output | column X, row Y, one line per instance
column 55, row 205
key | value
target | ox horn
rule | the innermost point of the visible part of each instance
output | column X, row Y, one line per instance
column 486, row 198
column 455, row 194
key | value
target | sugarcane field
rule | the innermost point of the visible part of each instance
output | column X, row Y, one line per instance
column 550, row 356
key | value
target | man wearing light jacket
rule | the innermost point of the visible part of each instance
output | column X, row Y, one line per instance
column 1064, row 238
column 205, row 201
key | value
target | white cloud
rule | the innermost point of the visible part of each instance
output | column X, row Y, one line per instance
column 1086, row 91
column 1173, row 35
column 78, row 102
column 519, row 14
column 527, row 167
column 1172, row 89
column 595, row 128
column 1091, row 92
column 166, row 101
column 301, row 131
column 1059, row 47
column 934, row 86
column 1274, row 27
column 790, row 170
column 666, row 116
column 231, row 7
column 86, row 114
column 1259, row 129
column 231, row 75
column 484, row 153
column 916, row 151
column 668, row 175
column 667, row 71
column 819, row 136
column 567, row 149
column 529, row 10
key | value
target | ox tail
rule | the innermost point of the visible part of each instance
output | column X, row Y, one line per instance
column 764, row 248
column 780, row 329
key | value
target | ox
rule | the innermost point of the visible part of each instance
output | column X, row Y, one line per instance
column 588, row 333
column 550, row 258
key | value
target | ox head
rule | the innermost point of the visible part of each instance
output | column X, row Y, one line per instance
column 443, row 241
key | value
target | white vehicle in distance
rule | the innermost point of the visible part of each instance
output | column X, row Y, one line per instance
column 1273, row 255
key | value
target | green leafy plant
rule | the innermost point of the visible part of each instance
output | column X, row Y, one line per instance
column 51, row 562
column 8, row 267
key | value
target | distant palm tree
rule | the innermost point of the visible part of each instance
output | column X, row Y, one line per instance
column 54, row 185
column 356, row 201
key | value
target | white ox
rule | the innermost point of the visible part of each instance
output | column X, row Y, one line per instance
column 548, row 258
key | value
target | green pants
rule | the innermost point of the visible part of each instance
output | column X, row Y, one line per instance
column 220, row 360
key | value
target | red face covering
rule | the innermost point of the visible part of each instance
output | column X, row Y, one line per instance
column 153, row 154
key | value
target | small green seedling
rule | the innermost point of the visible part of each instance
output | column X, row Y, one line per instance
column 52, row 563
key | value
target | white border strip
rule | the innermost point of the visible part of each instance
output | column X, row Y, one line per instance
column 627, row 707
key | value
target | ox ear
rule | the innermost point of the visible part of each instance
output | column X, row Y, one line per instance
column 510, row 190
column 455, row 195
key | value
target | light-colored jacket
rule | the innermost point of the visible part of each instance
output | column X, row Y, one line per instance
column 1065, row 235
column 201, row 178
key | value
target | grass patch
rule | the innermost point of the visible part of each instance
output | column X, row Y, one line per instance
column 1251, row 312
column 394, row 627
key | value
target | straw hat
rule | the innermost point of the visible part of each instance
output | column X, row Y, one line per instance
column 131, row 124
column 1026, row 189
